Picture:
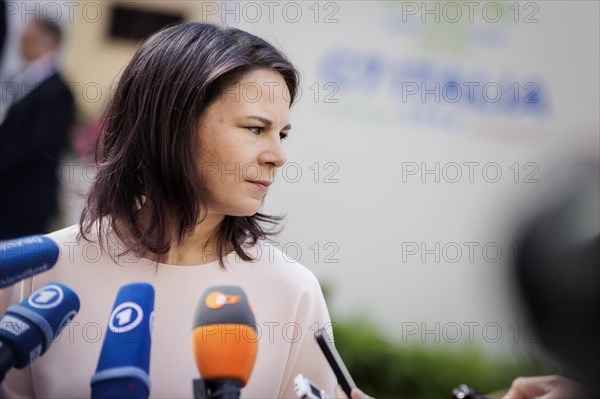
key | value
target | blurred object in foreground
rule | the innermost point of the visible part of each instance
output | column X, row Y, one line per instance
column 558, row 272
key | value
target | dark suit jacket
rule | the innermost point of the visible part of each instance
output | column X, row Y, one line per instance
column 3, row 27
column 31, row 139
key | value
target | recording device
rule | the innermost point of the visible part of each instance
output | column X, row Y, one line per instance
column 335, row 361
column 465, row 392
column 28, row 329
column 24, row 257
column 224, row 341
column 305, row 389
column 124, row 363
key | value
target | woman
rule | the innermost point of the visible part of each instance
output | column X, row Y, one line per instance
column 192, row 142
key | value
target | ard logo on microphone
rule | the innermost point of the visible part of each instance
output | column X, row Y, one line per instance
column 125, row 317
column 217, row 299
column 48, row 297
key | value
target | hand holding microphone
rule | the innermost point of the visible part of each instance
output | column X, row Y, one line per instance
column 28, row 329
column 225, row 342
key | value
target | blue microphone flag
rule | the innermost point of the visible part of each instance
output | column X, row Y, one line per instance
column 21, row 258
column 30, row 327
column 124, row 363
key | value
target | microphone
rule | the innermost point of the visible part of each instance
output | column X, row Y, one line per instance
column 28, row 329
column 24, row 257
column 124, row 363
column 224, row 341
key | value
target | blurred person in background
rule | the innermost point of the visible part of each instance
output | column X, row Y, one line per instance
column 3, row 28
column 36, row 112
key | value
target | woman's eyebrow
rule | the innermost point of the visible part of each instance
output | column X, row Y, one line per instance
column 268, row 123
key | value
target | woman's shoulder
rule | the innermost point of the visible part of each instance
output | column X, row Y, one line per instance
column 71, row 244
column 65, row 235
column 67, row 239
column 88, row 249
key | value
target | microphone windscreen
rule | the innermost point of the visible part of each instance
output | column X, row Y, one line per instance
column 124, row 363
column 224, row 336
column 30, row 327
column 21, row 258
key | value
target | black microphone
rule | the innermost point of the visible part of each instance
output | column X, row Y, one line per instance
column 28, row 329
column 225, row 342
column 24, row 257
column 124, row 364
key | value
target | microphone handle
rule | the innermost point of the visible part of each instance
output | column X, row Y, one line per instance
column 223, row 388
column 7, row 360
column 199, row 389
column 126, row 387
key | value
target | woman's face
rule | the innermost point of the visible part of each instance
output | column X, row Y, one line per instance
column 240, row 139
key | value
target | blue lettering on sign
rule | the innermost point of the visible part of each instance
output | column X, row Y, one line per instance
column 423, row 83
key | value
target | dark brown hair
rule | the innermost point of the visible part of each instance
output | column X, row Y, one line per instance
column 149, row 152
column 50, row 28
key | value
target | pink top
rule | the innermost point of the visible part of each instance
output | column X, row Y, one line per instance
column 286, row 298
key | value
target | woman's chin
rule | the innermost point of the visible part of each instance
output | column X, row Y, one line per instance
column 244, row 211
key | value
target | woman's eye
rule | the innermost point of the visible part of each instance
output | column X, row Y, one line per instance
column 256, row 129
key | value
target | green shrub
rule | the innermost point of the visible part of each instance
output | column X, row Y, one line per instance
column 386, row 369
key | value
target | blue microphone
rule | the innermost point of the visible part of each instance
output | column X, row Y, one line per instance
column 21, row 258
column 28, row 329
column 124, row 364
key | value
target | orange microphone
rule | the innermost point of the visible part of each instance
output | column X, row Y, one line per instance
column 225, row 341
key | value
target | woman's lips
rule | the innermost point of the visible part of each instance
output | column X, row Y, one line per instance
column 262, row 185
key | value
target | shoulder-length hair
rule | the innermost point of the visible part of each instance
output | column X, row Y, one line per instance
column 149, row 152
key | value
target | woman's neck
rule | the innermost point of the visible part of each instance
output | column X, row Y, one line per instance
column 196, row 248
